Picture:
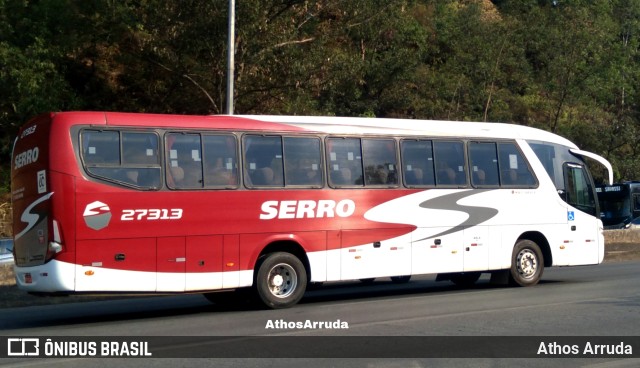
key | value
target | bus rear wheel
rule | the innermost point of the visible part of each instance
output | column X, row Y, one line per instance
column 281, row 280
column 527, row 263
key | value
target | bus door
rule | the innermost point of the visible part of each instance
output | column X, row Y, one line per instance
column 584, row 244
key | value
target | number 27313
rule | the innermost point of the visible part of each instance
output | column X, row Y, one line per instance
column 152, row 214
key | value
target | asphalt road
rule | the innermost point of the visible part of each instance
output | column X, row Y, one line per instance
column 589, row 301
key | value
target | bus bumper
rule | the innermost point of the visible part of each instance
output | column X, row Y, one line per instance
column 51, row 277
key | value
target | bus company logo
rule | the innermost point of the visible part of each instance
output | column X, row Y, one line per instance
column 97, row 215
column 307, row 209
column 27, row 157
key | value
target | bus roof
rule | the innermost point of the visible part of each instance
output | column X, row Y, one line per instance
column 320, row 124
column 345, row 125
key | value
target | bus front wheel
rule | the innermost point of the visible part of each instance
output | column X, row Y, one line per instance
column 527, row 263
column 281, row 280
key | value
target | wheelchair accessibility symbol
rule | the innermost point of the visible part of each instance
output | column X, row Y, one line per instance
column 571, row 216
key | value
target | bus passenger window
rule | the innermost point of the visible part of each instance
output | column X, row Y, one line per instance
column 100, row 147
column 344, row 161
column 417, row 161
column 302, row 161
column 140, row 159
column 263, row 161
column 514, row 170
column 220, row 161
column 380, row 162
column 184, row 161
column 450, row 163
column 484, row 164
column 139, row 165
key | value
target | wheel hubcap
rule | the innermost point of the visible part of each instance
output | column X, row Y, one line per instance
column 282, row 280
column 278, row 280
column 527, row 263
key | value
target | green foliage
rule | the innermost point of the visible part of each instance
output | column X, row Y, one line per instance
column 569, row 66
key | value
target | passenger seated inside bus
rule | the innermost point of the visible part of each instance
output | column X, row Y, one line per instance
column 479, row 177
column 414, row 176
column 376, row 175
column 276, row 169
column 217, row 174
column 130, row 176
column 341, row 176
column 510, row 177
column 262, row 176
column 139, row 173
column 192, row 174
column 380, row 175
column 176, row 175
column 303, row 172
column 447, row 176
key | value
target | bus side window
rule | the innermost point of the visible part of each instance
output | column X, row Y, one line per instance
column 220, row 161
column 484, row 164
column 302, row 161
column 345, row 161
column 184, row 161
column 380, row 162
column 450, row 163
column 100, row 147
column 551, row 161
column 263, row 161
column 140, row 159
column 417, row 161
column 514, row 170
column 139, row 165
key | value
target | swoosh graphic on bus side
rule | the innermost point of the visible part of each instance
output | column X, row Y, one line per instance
column 477, row 214
column 31, row 218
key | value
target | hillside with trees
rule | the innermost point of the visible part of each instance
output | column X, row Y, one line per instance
column 568, row 66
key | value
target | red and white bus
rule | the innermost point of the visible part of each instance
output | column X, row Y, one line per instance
column 144, row 203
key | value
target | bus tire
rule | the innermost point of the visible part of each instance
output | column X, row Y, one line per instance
column 527, row 264
column 400, row 279
column 465, row 279
column 281, row 280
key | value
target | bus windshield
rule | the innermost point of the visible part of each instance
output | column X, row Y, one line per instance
column 618, row 204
